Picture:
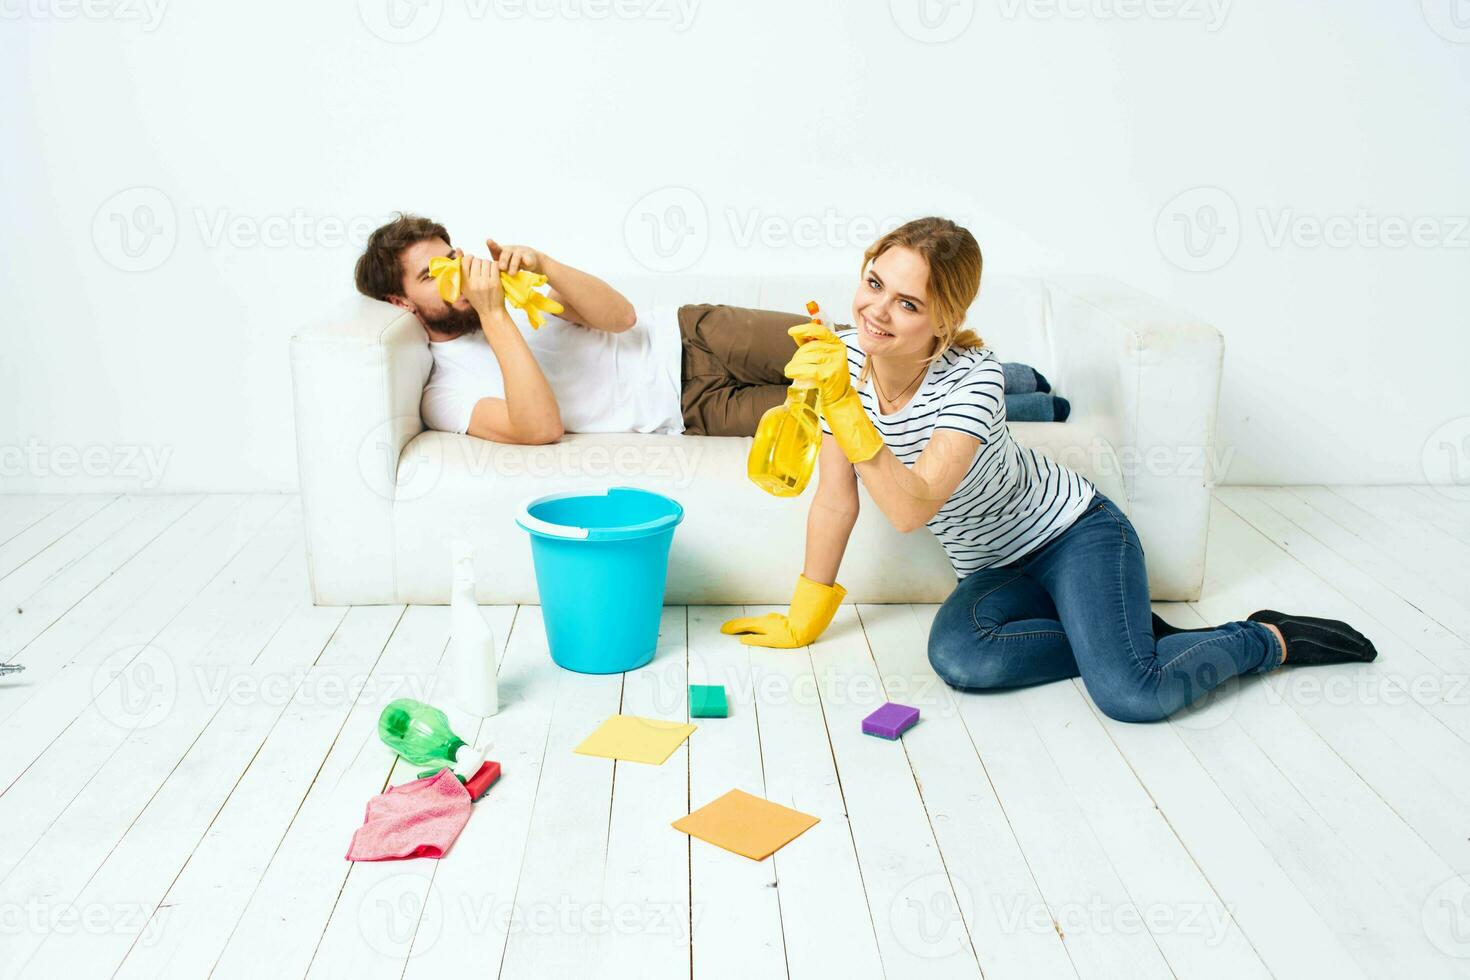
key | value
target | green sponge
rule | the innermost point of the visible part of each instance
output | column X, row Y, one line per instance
column 708, row 701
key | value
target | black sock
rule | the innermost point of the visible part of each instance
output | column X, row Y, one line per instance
column 1311, row 641
column 1163, row 629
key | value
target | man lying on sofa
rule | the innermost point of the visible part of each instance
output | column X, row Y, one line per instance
column 601, row 366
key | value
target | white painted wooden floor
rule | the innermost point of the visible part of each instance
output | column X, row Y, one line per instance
column 192, row 744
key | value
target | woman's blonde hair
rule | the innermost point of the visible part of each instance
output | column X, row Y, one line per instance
column 955, row 265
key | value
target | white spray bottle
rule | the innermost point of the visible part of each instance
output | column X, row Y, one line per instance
column 471, row 641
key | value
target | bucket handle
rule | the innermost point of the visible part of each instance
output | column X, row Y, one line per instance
column 546, row 527
column 581, row 533
column 631, row 530
column 658, row 523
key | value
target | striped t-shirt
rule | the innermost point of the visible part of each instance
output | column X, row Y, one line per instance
column 1013, row 500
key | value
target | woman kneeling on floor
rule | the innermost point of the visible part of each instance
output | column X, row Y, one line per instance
column 1052, row 582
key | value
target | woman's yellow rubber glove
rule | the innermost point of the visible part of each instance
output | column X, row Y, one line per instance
column 520, row 289
column 812, row 607
column 821, row 359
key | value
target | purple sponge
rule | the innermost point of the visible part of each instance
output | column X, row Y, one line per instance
column 891, row 720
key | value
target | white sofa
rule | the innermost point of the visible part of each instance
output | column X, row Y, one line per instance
column 382, row 495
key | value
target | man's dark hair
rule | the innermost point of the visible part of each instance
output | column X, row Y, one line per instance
column 379, row 274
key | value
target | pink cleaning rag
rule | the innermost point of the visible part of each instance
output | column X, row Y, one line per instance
column 418, row 819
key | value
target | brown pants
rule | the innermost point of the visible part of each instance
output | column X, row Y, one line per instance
column 733, row 363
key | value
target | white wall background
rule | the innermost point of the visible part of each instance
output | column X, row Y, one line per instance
column 184, row 183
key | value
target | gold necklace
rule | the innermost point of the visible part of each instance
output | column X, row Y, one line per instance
column 889, row 399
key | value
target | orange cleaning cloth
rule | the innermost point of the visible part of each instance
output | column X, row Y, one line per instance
column 747, row 825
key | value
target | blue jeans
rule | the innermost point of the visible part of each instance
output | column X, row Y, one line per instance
column 1079, row 605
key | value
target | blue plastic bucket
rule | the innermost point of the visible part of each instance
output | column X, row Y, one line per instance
column 601, row 560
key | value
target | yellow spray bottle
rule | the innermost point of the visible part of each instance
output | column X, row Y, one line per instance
column 788, row 439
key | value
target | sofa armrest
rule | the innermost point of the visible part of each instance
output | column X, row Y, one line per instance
column 357, row 376
column 1148, row 376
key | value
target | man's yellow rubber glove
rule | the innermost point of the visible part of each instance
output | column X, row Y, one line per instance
column 812, row 607
column 520, row 289
column 448, row 275
column 821, row 359
column 520, row 292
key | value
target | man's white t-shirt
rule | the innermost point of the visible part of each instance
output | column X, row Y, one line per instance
column 603, row 382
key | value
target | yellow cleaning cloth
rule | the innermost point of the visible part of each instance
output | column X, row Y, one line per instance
column 746, row 824
column 520, row 289
column 636, row 739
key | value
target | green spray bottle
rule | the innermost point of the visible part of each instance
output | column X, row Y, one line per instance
column 420, row 733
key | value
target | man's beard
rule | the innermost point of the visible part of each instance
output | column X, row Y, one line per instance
column 455, row 322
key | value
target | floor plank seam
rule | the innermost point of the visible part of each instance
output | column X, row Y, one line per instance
column 10, row 657
column 163, row 899
column 265, row 871
column 919, row 790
